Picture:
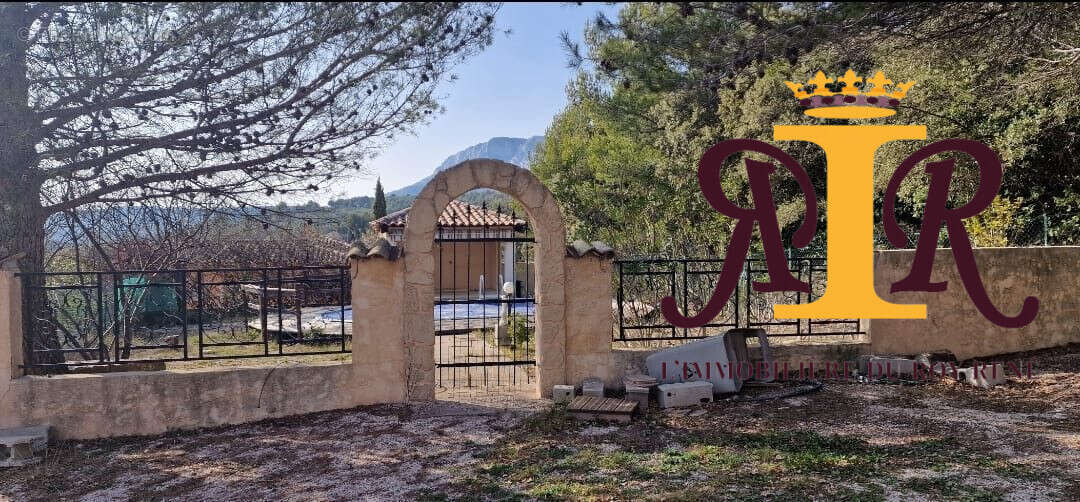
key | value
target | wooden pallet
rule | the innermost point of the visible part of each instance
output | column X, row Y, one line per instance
column 601, row 408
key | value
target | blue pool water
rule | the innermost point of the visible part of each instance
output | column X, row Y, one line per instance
column 477, row 310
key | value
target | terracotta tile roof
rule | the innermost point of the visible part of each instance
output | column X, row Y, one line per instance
column 457, row 214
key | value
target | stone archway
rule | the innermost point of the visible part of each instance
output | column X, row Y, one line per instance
column 419, row 258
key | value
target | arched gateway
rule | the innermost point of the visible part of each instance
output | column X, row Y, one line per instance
column 420, row 267
column 393, row 293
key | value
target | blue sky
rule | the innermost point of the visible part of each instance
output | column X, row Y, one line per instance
column 513, row 88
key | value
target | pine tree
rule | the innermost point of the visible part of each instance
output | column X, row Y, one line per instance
column 378, row 208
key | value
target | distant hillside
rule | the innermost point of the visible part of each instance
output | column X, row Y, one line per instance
column 393, row 202
column 513, row 150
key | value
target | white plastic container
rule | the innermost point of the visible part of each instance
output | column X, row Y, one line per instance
column 714, row 359
column 709, row 359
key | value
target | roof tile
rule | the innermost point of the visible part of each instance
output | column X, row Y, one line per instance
column 456, row 214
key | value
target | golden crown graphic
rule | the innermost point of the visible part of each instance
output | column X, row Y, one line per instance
column 825, row 98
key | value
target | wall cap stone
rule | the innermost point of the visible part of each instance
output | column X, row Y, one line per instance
column 581, row 249
column 382, row 249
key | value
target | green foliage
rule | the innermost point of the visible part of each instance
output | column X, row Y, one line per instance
column 355, row 224
column 378, row 208
column 664, row 82
column 518, row 330
column 989, row 229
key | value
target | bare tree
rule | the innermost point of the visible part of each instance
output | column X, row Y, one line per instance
column 207, row 103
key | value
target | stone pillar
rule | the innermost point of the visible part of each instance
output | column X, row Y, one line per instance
column 379, row 351
column 589, row 320
column 11, row 328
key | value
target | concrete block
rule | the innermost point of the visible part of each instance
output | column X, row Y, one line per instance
column 592, row 387
column 19, row 444
column 983, row 375
column 640, row 395
column 890, row 367
column 562, row 394
column 673, row 395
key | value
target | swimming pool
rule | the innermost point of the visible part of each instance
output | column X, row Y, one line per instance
column 476, row 310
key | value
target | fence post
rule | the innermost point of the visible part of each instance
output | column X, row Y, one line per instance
column 11, row 320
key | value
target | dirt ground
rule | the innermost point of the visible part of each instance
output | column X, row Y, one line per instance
column 849, row 441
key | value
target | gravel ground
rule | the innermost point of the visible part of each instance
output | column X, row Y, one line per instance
column 940, row 441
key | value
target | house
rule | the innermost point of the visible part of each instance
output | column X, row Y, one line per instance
column 477, row 249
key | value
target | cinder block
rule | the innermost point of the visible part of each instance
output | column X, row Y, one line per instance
column 983, row 375
column 562, row 394
column 674, row 395
column 639, row 395
column 21, row 451
column 592, row 387
column 19, row 444
column 890, row 367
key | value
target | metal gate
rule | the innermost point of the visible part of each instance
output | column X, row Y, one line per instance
column 484, row 300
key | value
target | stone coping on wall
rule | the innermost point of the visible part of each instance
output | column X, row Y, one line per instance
column 207, row 369
column 382, row 248
column 580, row 249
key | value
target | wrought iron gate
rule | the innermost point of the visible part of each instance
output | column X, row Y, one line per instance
column 484, row 305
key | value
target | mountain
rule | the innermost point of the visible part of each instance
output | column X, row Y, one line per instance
column 513, row 150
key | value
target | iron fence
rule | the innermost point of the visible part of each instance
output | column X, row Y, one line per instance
column 642, row 283
column 77, row 319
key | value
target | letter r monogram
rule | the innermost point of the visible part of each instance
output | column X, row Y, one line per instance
column 763, row 212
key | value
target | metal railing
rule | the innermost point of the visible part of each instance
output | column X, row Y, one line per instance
column 76, row 319
column 641, row 284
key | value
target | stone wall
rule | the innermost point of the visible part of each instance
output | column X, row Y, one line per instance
column 1051, row 274
column 589, row 320
column 152, row 402
column 379, row 349
column 10, row 322
column 393, row 336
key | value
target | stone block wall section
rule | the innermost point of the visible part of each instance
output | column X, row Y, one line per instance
column 10, row 323
column 589, row 320
column 1051, row 274
column 87, row 406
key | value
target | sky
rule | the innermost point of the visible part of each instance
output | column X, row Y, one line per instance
column 513, row 88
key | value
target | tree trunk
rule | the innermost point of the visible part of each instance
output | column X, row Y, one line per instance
column 22, row 218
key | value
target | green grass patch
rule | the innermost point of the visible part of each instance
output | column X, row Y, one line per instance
column 547, row 459
column 952, row 488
